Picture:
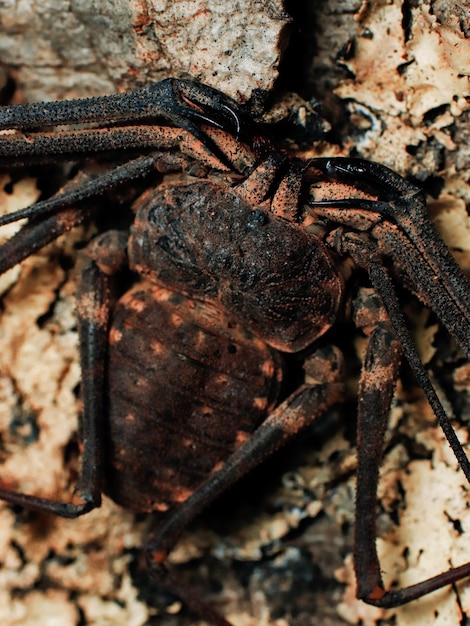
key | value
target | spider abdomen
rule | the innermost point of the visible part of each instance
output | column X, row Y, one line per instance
column 200, row 386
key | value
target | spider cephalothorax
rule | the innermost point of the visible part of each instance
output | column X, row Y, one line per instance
column 181, row 372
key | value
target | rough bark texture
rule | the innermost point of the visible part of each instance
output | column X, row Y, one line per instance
column 66, row 48
column 392, row 78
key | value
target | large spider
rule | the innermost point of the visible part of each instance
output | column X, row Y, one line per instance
column 242, row 258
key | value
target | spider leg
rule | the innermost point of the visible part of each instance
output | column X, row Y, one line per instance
column 378, row 378
column 49, row 505
column 56, row 218
column 34, row 236
column 306, row 405
column 368, row 256
column 210, row 106
column 176, row 100
column 41, row 147
column 382, row 282
column 379, row 375
column 182, row 103
column 373, row 408
column 104, row 257
column 399, row 222
column 18, row 149
column 60, row 211
column 84, row 188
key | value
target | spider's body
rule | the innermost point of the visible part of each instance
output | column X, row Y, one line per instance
column 180, row 378
column 204, row 317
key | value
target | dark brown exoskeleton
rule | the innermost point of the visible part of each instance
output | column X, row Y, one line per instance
column 181, row 376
